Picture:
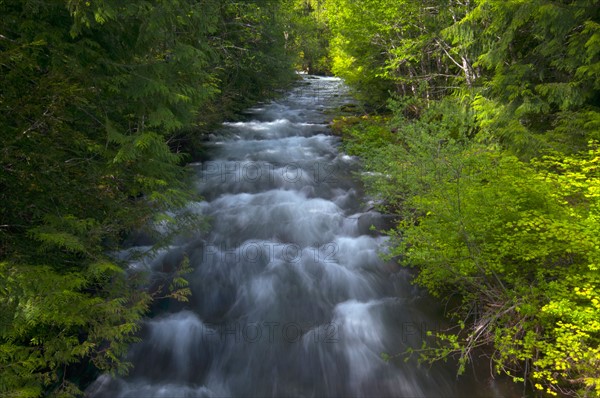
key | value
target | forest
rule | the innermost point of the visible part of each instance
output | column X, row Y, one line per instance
column 482, row 137
column 479, row 128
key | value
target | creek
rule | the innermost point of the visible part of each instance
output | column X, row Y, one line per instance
column 289, row 294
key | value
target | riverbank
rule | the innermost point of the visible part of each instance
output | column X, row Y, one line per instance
column 512, row 244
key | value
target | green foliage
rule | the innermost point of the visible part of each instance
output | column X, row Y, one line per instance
column 517, row 242
column 51, row 320
column 414, row 144
column 381, row 46
column 496, row 182
column 537, row 57
column 362, row 134
column 307, row 35
column 251, row 46
column 531, row 67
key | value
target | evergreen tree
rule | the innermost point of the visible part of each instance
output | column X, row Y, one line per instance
column 541, row 60
column 94, row 100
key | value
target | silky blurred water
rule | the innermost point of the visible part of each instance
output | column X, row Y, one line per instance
column 290, row 297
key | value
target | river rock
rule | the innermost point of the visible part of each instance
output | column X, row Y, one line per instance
column 381, row 222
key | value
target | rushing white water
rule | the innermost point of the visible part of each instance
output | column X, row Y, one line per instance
column 290, row 297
